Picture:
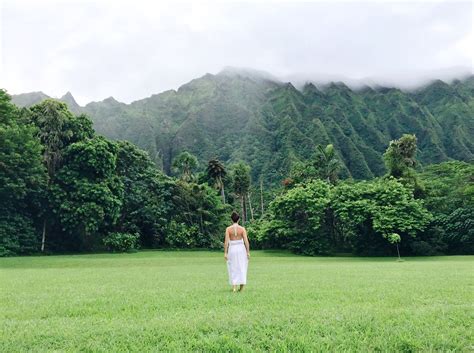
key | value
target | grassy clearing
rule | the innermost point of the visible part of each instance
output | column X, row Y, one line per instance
column 154, row 301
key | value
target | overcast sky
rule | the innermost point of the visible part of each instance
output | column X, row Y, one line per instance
column 130, row 50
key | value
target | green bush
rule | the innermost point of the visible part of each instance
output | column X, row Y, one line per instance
column 179, row 235
column 121, row 241
column 17, row 235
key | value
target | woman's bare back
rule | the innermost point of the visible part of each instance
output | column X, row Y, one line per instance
column 235, row 232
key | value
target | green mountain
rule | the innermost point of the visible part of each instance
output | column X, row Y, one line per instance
column 269, row 124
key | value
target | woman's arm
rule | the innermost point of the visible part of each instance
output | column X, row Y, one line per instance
column 226, row 244
column 246, row 241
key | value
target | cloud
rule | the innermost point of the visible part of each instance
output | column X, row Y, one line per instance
column 133, row 49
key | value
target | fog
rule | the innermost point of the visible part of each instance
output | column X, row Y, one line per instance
column 130, row 50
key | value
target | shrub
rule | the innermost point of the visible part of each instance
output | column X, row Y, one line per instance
column 179, row 235
column 121, row 241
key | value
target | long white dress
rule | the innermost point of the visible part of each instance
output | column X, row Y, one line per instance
column 237, row 261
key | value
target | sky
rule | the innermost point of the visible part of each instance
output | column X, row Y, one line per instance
column 133, row 49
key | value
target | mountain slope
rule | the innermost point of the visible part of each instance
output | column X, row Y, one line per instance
column 271, row 124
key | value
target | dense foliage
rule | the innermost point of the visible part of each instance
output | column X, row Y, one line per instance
column 22, row 182
column 64, row 188
column 378, row 216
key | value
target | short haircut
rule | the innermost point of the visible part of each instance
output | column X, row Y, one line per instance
column 235, row 217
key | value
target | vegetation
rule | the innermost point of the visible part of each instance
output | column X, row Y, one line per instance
column 79, row 191
column 179, row 301
column 66, row 189
column 271, row 125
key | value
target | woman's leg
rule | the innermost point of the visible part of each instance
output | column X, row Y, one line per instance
column 241, row 287
column 234, row 288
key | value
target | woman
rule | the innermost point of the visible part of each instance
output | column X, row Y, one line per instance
column 236, row 253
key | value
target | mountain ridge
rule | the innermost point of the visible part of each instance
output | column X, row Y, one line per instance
column 271, row 125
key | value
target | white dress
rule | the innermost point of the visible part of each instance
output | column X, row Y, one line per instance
column 237, row 261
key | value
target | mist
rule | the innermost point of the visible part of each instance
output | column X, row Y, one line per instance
column 132, row 50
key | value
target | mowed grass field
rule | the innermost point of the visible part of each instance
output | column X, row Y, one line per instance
column 180, row 301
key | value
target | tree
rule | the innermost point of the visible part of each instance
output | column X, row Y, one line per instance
column 197, row 217
column 146, row 204
column 400, row 162
column 450, row 197
column 185, row 163
column 56, row 129
column 297, row 218
column 372, row 210
column 241, row 185
column 87, row 195
column 395, row 238
column 400, row 156
column 323, row 165
column 22, row 182
column 326, row 163
column 216, row 171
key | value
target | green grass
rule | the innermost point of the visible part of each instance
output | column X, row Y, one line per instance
column 155, row 301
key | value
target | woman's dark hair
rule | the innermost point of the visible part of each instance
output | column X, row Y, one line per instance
column 235, row 217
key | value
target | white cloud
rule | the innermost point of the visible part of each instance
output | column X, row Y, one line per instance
column 132, row 49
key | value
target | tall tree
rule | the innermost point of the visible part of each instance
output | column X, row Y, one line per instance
column 57, row 128
column 216, row 171
column 241, row 183
column 400, row 162
column 400, row 156
column 185, row 163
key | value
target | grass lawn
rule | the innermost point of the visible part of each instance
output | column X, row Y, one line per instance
column 180, row 301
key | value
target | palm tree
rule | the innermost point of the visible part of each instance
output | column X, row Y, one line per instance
column 185, row 163
column 327, row 163
column 216, row 171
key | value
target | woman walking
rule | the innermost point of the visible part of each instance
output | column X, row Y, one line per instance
column 236, row 253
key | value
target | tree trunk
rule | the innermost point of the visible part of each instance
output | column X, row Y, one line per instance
column 250, row 206
column 243, row 208
column 398, row 252
column 200, row 218
column 261, row 196
column 43, row 238
column 221, row 183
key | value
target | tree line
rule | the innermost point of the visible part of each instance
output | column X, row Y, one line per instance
column 418, row 213
column 63, row 188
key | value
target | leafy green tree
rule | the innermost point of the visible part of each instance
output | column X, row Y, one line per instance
column 8, row 111
column 197, row 217
column 22, row 182
column 87, row 195
column 185, row 163
column 372, row 210
column 52, row 118
column 147, row 197
column 241, row 185
column 297, row 218
column 216, row 171
column 395, row 238
column 57, row 127
column 450, row 197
